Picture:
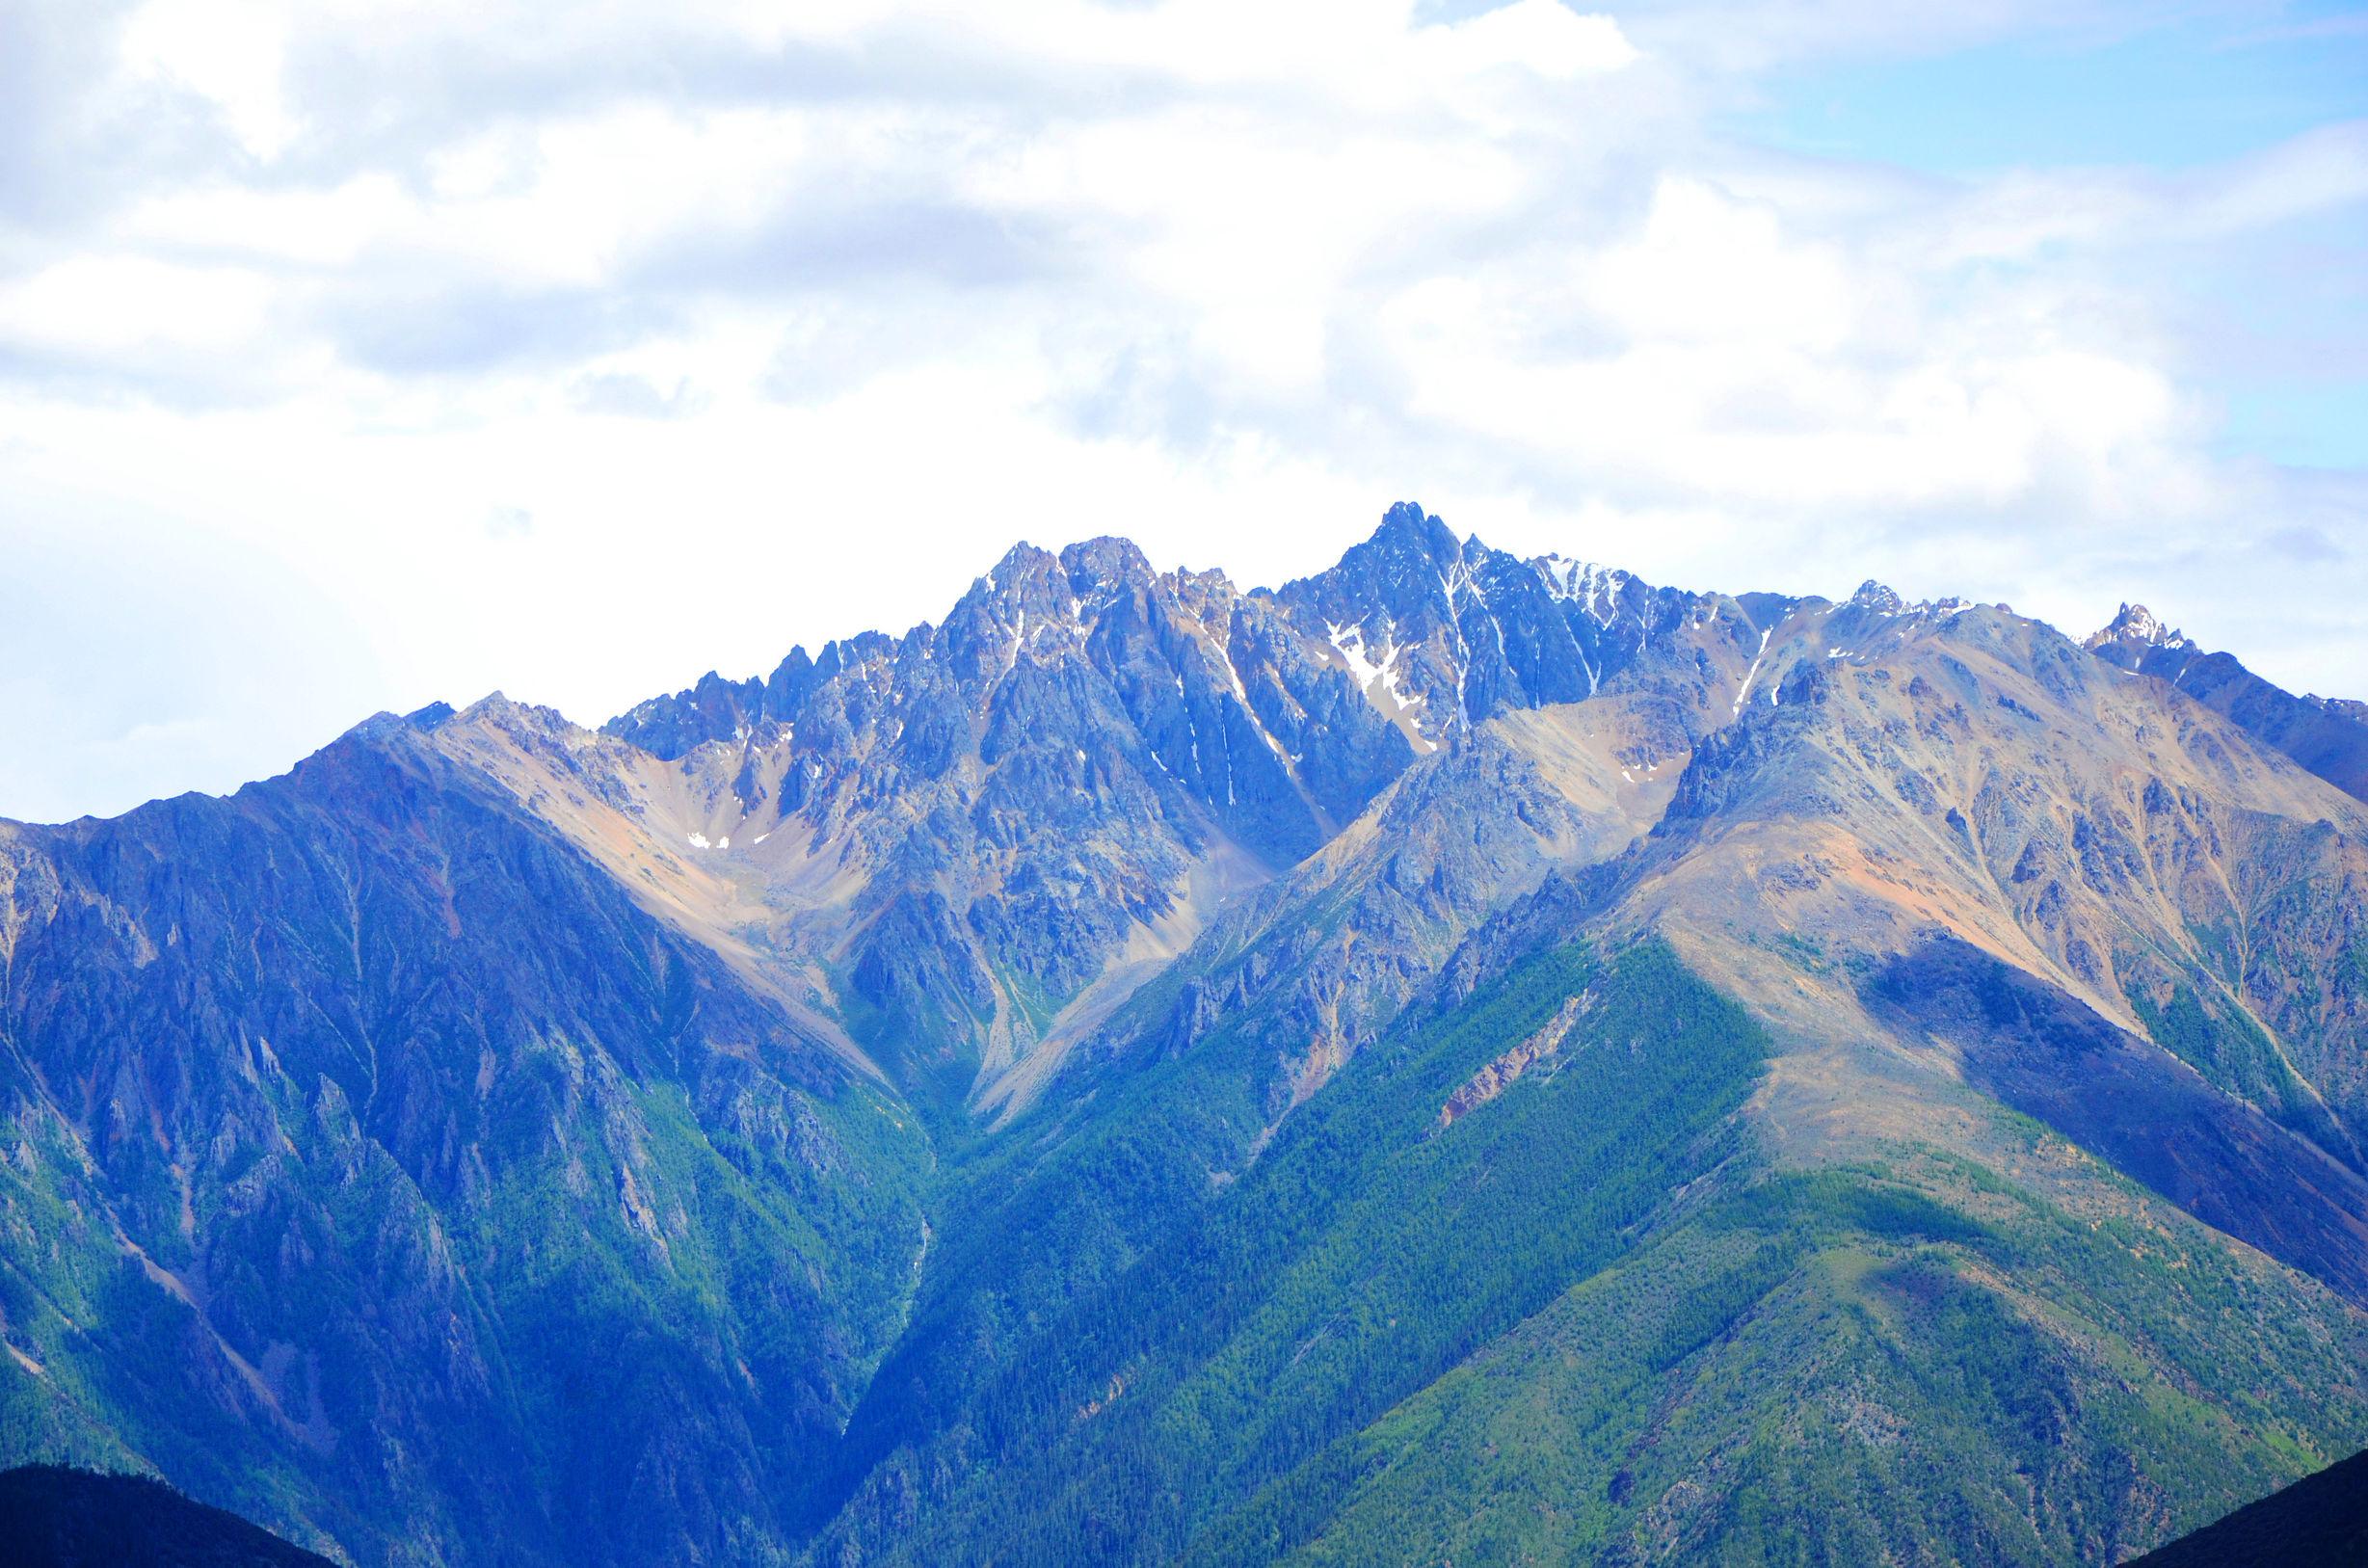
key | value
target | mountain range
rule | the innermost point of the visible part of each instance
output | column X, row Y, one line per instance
column 1457, row 1058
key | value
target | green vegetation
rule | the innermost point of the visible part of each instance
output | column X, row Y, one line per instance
column 755, row 1256
column 1583, row 1319
column 1836, row 1369
column 1200, row 1327
column 2222, row 1041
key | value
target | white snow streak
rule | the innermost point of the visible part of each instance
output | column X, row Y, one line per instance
column 1751, row 674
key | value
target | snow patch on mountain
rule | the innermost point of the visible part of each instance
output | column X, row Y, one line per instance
column 1597, row 589
column 1377, row 675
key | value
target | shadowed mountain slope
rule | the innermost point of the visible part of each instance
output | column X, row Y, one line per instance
column 2319, row 1519
column 52, row 1517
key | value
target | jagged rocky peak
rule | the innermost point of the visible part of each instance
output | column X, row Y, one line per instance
column 1406, row 571
column 1067, row 583
column 1407, row 530
column 1877, row 596
column 1105, row 565
column 1876, row 599
column 1027, row 573
column 2328, row 737
column 493, row 710
column 499, row 708
column 2136, row 625
column 1415, row 633
column 1074, row 590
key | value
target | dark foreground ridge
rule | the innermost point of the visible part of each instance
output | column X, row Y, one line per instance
column 2319, row 1519
column 52, row 1516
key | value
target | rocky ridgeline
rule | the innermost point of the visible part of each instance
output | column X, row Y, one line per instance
column 361, row 1130
column 1281, row 712
column 2327, row 735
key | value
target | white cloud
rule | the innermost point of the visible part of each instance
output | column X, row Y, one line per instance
column 95, row 307
column 576, row 360
column 231, row 53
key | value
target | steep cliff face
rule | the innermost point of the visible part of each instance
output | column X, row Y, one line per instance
column 1146, row 1070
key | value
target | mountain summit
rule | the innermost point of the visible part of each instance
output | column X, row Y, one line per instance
column 1454, row 1057
column 2329, row 736
column 2135, row 627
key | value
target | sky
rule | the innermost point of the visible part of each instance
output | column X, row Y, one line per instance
column 356, row 356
